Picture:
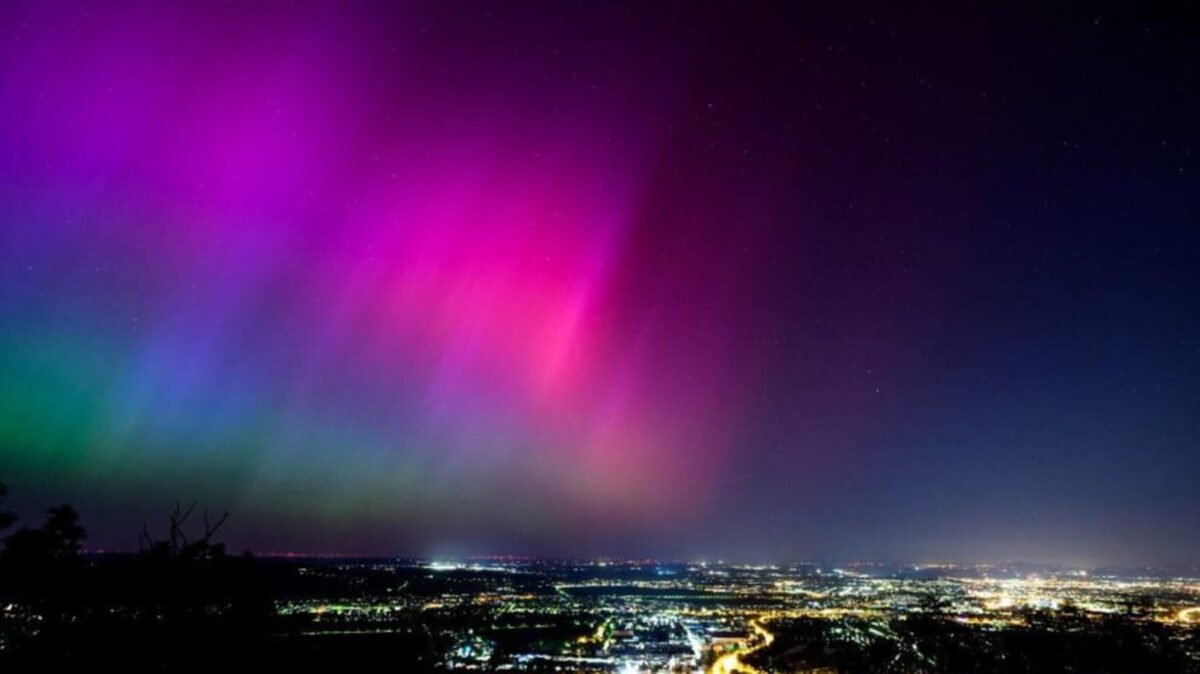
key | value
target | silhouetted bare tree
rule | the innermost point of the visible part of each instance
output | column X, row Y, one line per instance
column 182, row 594
column 177, row 545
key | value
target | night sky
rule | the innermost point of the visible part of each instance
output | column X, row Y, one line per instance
column 748, row 280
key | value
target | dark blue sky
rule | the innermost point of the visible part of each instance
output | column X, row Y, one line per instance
column 900, row 283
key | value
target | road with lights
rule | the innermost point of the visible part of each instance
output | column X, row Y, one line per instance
column 732, row 662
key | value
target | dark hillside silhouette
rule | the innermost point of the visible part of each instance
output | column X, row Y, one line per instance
column 180, row 603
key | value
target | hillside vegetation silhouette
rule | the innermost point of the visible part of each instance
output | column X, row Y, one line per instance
column 180, row 603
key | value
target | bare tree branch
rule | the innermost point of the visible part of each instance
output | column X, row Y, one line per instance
column 210, row 530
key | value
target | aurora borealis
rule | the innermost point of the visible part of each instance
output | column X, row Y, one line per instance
column 605, row 279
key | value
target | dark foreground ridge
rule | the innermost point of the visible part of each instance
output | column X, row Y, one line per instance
column 183, row 604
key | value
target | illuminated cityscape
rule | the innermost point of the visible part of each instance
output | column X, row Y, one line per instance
column 621, row 617
column 612, row 616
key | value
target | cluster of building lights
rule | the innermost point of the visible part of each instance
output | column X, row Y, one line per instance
column 638, row 617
